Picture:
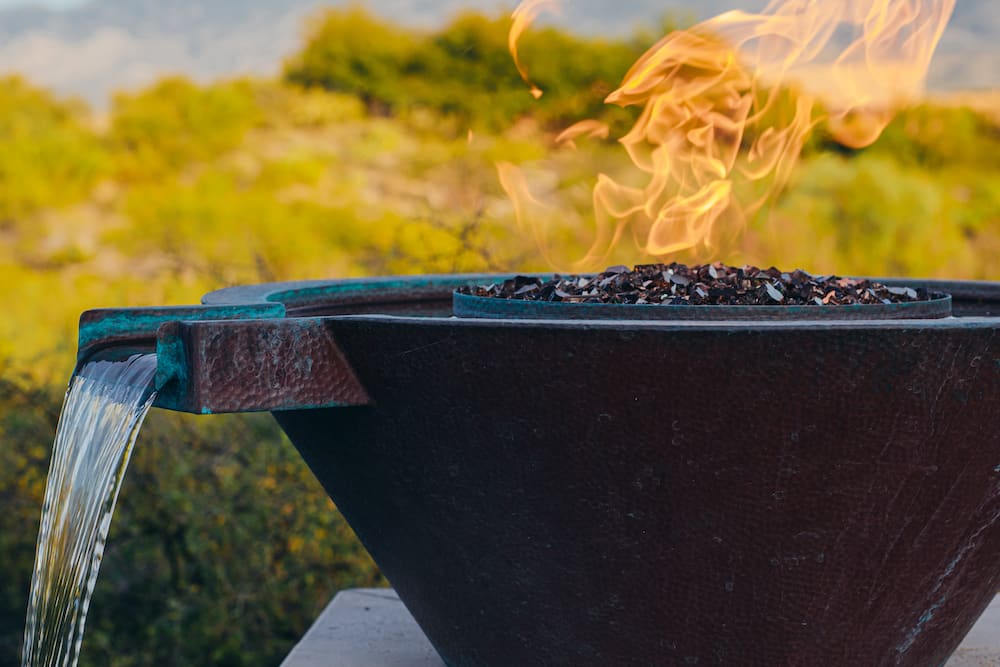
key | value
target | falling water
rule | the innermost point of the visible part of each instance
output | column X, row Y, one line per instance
column 104, row 408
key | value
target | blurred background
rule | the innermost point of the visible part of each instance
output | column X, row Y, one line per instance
column 152, row 151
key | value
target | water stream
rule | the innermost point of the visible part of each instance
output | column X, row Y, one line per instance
column 104, row 408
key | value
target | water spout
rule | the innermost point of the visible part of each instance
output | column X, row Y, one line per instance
column 101, row 416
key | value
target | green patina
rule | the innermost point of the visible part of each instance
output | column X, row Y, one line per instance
column 352, row 286
column 171, row 364
column 136, row 323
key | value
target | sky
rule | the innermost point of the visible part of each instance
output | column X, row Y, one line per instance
column 91, row 49
column 54, row 4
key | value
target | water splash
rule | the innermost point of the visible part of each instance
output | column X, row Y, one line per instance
column 104, row 408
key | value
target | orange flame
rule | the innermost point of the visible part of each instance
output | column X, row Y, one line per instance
column 719, row 132
column 523, row 17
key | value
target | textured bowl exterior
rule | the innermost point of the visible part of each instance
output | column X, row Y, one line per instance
column 619, row 494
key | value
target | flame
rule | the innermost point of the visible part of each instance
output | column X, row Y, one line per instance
column 585, row 128
column 523, row 17
column 726, row 107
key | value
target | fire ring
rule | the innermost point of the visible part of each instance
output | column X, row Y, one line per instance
column 467, row 305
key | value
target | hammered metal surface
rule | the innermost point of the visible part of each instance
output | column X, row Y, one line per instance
column 602, row 495
column 245, row 366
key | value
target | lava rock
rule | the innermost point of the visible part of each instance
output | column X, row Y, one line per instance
column 701, row 285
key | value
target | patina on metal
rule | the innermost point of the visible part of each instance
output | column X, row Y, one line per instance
column 599, row 492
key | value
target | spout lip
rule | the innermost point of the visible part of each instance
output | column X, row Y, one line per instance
column 131, row 369
column 136, row 328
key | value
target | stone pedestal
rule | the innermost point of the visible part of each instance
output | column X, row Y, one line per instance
column 370, row 627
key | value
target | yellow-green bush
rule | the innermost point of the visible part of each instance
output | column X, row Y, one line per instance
column 938, row 137
column 351, row 51
column 49, row 156
column 463, row 70
column 176, row 123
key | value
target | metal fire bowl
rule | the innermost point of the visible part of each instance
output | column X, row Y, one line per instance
column 556, row 492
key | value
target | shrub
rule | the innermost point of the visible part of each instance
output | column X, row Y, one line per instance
column 463, row 70
column 175, row 123
column 50, row 155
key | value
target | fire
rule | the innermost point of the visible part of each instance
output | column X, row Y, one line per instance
column 726, row 107
column 522, row 18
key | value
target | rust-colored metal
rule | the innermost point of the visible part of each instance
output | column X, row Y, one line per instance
column 253, row 365
column 639, row 493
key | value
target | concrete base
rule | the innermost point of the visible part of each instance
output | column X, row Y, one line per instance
column 370, row 627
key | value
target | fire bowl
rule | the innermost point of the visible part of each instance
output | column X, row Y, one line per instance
column 626, row 492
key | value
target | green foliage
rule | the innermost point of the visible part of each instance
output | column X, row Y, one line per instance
column 27, row 423
column 934, row 137
column 871, row 215
column 282, row 106
column 352, row 52
column 222, row 528
column 463, row 70
column 49, row 158
column 175, row 123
